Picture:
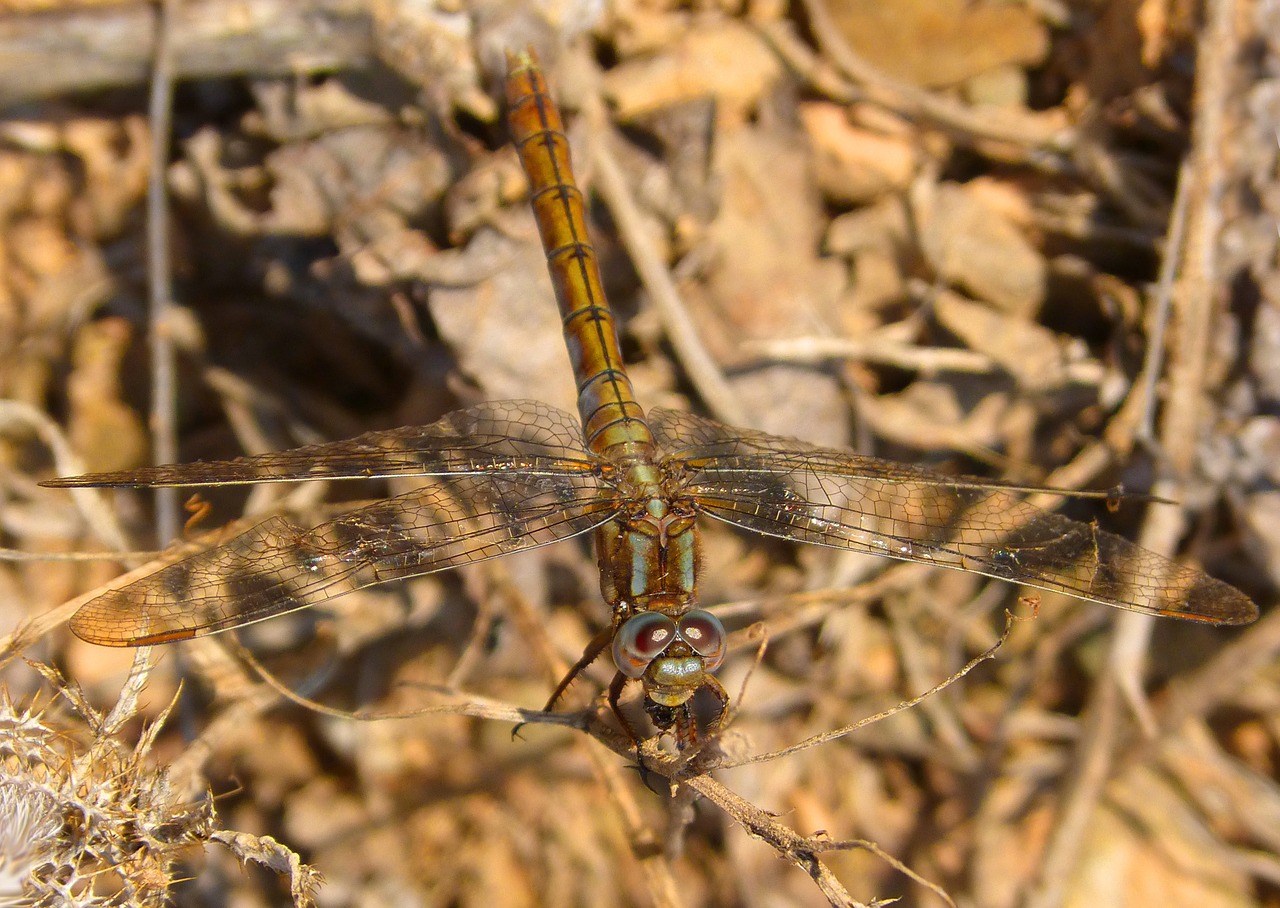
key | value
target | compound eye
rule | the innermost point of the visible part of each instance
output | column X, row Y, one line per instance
column 641, row 639
column 704, row 632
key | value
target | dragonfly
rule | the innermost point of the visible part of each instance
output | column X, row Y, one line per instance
column 507, row 476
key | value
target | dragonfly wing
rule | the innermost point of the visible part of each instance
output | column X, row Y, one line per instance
column 496, row 436
column 279, row 567
column 787, row 488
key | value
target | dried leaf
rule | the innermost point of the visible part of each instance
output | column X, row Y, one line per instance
column 976, row 248
column 941, row 42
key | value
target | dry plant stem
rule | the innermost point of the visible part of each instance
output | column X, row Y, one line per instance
column 1263, row 866
column 1163, row 526
column 243, row 404
column 681, row 331
column 1154, row 360
column 35, row 629
column 1092, row 766
column 474, row 706
column 908, row 357
column 18, row 416
column 1194, row 293
column 1131, row 639
column 531, row 625
column 1098, row 456
column 18, row 555
column 188, row 769
column 1192, row 313
column 1192, row 317
column 798, row 611
column 1022, row 134
column 758, row 631
column 802, row 851
column 240, row 399
column 873, row 848
column 939, row 711
column 490, row 577
column 680, row 815
column 15, row 415
column 67, row 51
column 164, row 431
column 127, row 703
column 611, row 777
column 663, row 888
column 825, row 737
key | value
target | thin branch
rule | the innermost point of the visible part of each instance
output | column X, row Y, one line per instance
column 164, row 430
column 22, row 556
column 908, row 357
column 905, row 705
column 1154, row 360
column 16, row 415
column 1024, row 135
column 802, row 851
column 61, row 52
column 681, row 331
column 1188, row 368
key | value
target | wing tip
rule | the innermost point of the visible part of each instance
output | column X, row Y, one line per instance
column 104, row 624
column 1213, row 602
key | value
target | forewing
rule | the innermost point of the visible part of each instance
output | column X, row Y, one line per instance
column 492, row 437
column 783, row 487
column 278, row 567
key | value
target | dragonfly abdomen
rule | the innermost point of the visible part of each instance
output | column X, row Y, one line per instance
column 612, row 420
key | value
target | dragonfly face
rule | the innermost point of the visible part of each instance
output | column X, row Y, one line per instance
column 670, row 653
column 674, row 658
column 511, row 475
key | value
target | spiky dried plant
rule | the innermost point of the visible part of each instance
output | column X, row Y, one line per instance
column 97, row 825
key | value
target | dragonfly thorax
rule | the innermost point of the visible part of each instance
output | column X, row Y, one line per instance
column 634, row 474
column 648, row 560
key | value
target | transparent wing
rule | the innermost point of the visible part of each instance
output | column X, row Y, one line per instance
column 278, row 567
column 787, row 488
column 522, row 435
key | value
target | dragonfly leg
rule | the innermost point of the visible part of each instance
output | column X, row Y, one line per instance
column 597, row 646
column 684, row 722
column 681, row 720
column 710, row 683
column 615, row 694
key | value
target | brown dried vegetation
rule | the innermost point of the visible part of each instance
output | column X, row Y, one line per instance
column 1018, row 239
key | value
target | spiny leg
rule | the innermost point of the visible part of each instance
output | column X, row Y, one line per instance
column 685, row 722
column 712, row 684
column 594, row 648
column 615, row 694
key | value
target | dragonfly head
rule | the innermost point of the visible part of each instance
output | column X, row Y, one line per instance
column 672, row 655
